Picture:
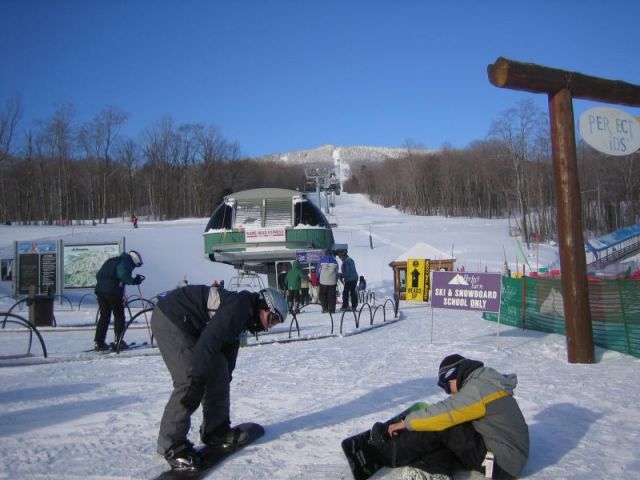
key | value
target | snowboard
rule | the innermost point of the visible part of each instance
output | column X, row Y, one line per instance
column 214, row 456
column 362, row 455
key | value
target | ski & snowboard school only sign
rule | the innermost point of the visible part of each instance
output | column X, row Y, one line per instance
column 466, row 291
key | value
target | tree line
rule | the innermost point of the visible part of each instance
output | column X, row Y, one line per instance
column 508, row 174
column 60, row 172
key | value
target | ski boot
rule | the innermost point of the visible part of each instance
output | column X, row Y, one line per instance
column 229, row 439
column 101, row 347
column 183, row 457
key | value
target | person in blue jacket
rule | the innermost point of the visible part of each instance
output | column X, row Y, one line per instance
column 198, row 328
column 349, row 276
column 115, row 273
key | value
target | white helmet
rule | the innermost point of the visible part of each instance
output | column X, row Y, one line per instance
column 136, row 257
column 276, row 302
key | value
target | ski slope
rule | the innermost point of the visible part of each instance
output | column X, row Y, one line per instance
column 88, row 416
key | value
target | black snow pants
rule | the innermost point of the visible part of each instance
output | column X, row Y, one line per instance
column 175, row 347
column 328, row 298
column 349, row 291
column 439, row 452
column 106, row 305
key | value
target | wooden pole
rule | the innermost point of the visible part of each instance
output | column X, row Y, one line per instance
column 534, row 78
column 562, row 86
column 570, row 238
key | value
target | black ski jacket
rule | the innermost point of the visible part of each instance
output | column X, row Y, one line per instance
column 114, row 274
column 218, row 338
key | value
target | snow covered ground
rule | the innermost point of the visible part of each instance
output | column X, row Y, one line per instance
column 81, row 416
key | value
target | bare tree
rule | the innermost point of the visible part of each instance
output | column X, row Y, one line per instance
column 98, row 136
column 57, row 137
column 517, row 129
column 128, row 154
column 9, row 118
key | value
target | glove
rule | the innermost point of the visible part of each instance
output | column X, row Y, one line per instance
column 379, row 434
column 138, row 279
column 194, row 394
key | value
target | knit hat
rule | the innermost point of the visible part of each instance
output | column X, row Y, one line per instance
column 449, row 370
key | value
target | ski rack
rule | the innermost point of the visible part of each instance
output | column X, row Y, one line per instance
column 32, row 329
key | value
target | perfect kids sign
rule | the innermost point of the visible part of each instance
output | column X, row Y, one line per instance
column 466, row 291
column 610, row 131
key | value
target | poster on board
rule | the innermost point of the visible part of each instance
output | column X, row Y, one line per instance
column 82, row 262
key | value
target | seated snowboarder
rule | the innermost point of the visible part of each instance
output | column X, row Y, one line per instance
column 198, row 329
column 479, row 420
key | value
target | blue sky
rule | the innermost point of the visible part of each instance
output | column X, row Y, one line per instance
column 277, row 76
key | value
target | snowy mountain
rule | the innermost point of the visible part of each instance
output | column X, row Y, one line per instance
column 344, row 154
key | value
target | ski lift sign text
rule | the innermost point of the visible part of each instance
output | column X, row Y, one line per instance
column 466, row 291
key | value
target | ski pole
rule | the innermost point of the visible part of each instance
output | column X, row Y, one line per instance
column 145, row 317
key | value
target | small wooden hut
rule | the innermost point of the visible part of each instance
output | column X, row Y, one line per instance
column 439, row 261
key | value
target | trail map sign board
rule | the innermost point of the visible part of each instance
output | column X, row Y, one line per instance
column 466, row 291
column 82, row 262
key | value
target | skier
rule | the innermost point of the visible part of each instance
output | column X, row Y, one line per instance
column 198, row 330
column 304, row 291
column 349, row 277
column 362, row 289
column 479, row 425
column 114, row 274
column 327, row 269
column 282, row 274
column 314, row 286
column 293, row 282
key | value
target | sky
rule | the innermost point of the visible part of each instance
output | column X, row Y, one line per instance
column 79, row 415
column 285, row 75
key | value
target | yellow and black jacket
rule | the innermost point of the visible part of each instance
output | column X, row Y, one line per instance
column 485, row 398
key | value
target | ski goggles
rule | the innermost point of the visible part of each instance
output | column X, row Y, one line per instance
column 273, row 319
column 445, row 377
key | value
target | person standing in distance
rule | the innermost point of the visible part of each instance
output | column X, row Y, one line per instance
column 327, row 269
column 114, row 274
column 349, row 276
column 294, row 280
column 198, row 330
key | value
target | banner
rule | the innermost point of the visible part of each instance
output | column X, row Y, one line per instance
column 466, row 291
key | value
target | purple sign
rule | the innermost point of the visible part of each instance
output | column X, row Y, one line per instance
column 309, row 256
column 466, row 291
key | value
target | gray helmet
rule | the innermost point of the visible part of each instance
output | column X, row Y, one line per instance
column 275, row 301
column 136, row 257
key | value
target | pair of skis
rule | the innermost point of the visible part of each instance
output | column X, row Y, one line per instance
column 113, row 348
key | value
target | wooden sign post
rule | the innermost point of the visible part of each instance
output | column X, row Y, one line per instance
column 561, row 87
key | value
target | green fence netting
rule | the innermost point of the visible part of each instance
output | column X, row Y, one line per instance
column 537, row 304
